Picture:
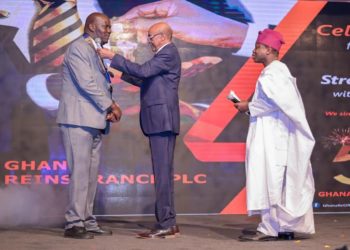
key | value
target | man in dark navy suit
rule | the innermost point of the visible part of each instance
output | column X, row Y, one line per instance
column 158, row 79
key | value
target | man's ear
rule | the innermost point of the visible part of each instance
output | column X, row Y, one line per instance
column 163, row 38
column 92, row 27
column 268, row 50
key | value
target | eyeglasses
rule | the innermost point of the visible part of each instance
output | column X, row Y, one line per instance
column 150, row 38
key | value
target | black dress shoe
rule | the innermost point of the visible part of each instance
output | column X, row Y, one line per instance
column 100, row 232
column 77, row 233
column 258, row 236
column 158, row 233
column 286, row 236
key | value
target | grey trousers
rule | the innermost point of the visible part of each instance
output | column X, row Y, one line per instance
column 83, row 149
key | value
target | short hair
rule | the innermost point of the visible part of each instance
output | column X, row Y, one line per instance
column 91, row 19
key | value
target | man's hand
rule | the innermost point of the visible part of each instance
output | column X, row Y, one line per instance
column 111, row 118
column 242, row 106
column 116, row 113
column 189, row 22
column 105, row 53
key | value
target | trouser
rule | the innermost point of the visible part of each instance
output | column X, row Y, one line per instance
column 276, row 219
column 162, row 150
column 83, row 147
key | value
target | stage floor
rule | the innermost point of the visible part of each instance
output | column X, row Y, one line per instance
column 197, row 232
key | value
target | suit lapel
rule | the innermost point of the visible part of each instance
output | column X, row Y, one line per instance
column 99, row 60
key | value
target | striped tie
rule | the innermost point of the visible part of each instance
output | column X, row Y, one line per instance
column 56, row 25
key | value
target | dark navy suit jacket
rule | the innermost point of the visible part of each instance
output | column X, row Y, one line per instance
column 158, row 79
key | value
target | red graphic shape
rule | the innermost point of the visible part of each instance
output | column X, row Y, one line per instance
column 200, row 139
column 237, row 205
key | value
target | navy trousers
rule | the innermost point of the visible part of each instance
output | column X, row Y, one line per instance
column 162, row 150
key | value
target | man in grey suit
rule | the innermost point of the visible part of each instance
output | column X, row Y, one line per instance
column 158, row 79
column 85, row 111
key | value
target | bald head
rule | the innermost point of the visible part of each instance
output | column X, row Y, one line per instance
column 163, row 28
column 159, row 34
column 98, row 25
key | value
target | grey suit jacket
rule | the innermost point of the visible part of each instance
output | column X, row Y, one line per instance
column 85, row 93
column 159, row 81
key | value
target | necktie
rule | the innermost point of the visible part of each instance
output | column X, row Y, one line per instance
column 56, row 25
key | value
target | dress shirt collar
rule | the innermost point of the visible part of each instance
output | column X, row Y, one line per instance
column 162, row 47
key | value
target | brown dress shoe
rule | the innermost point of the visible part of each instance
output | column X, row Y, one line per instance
column 77, row 233
column 176, row 230
column 158, row 233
